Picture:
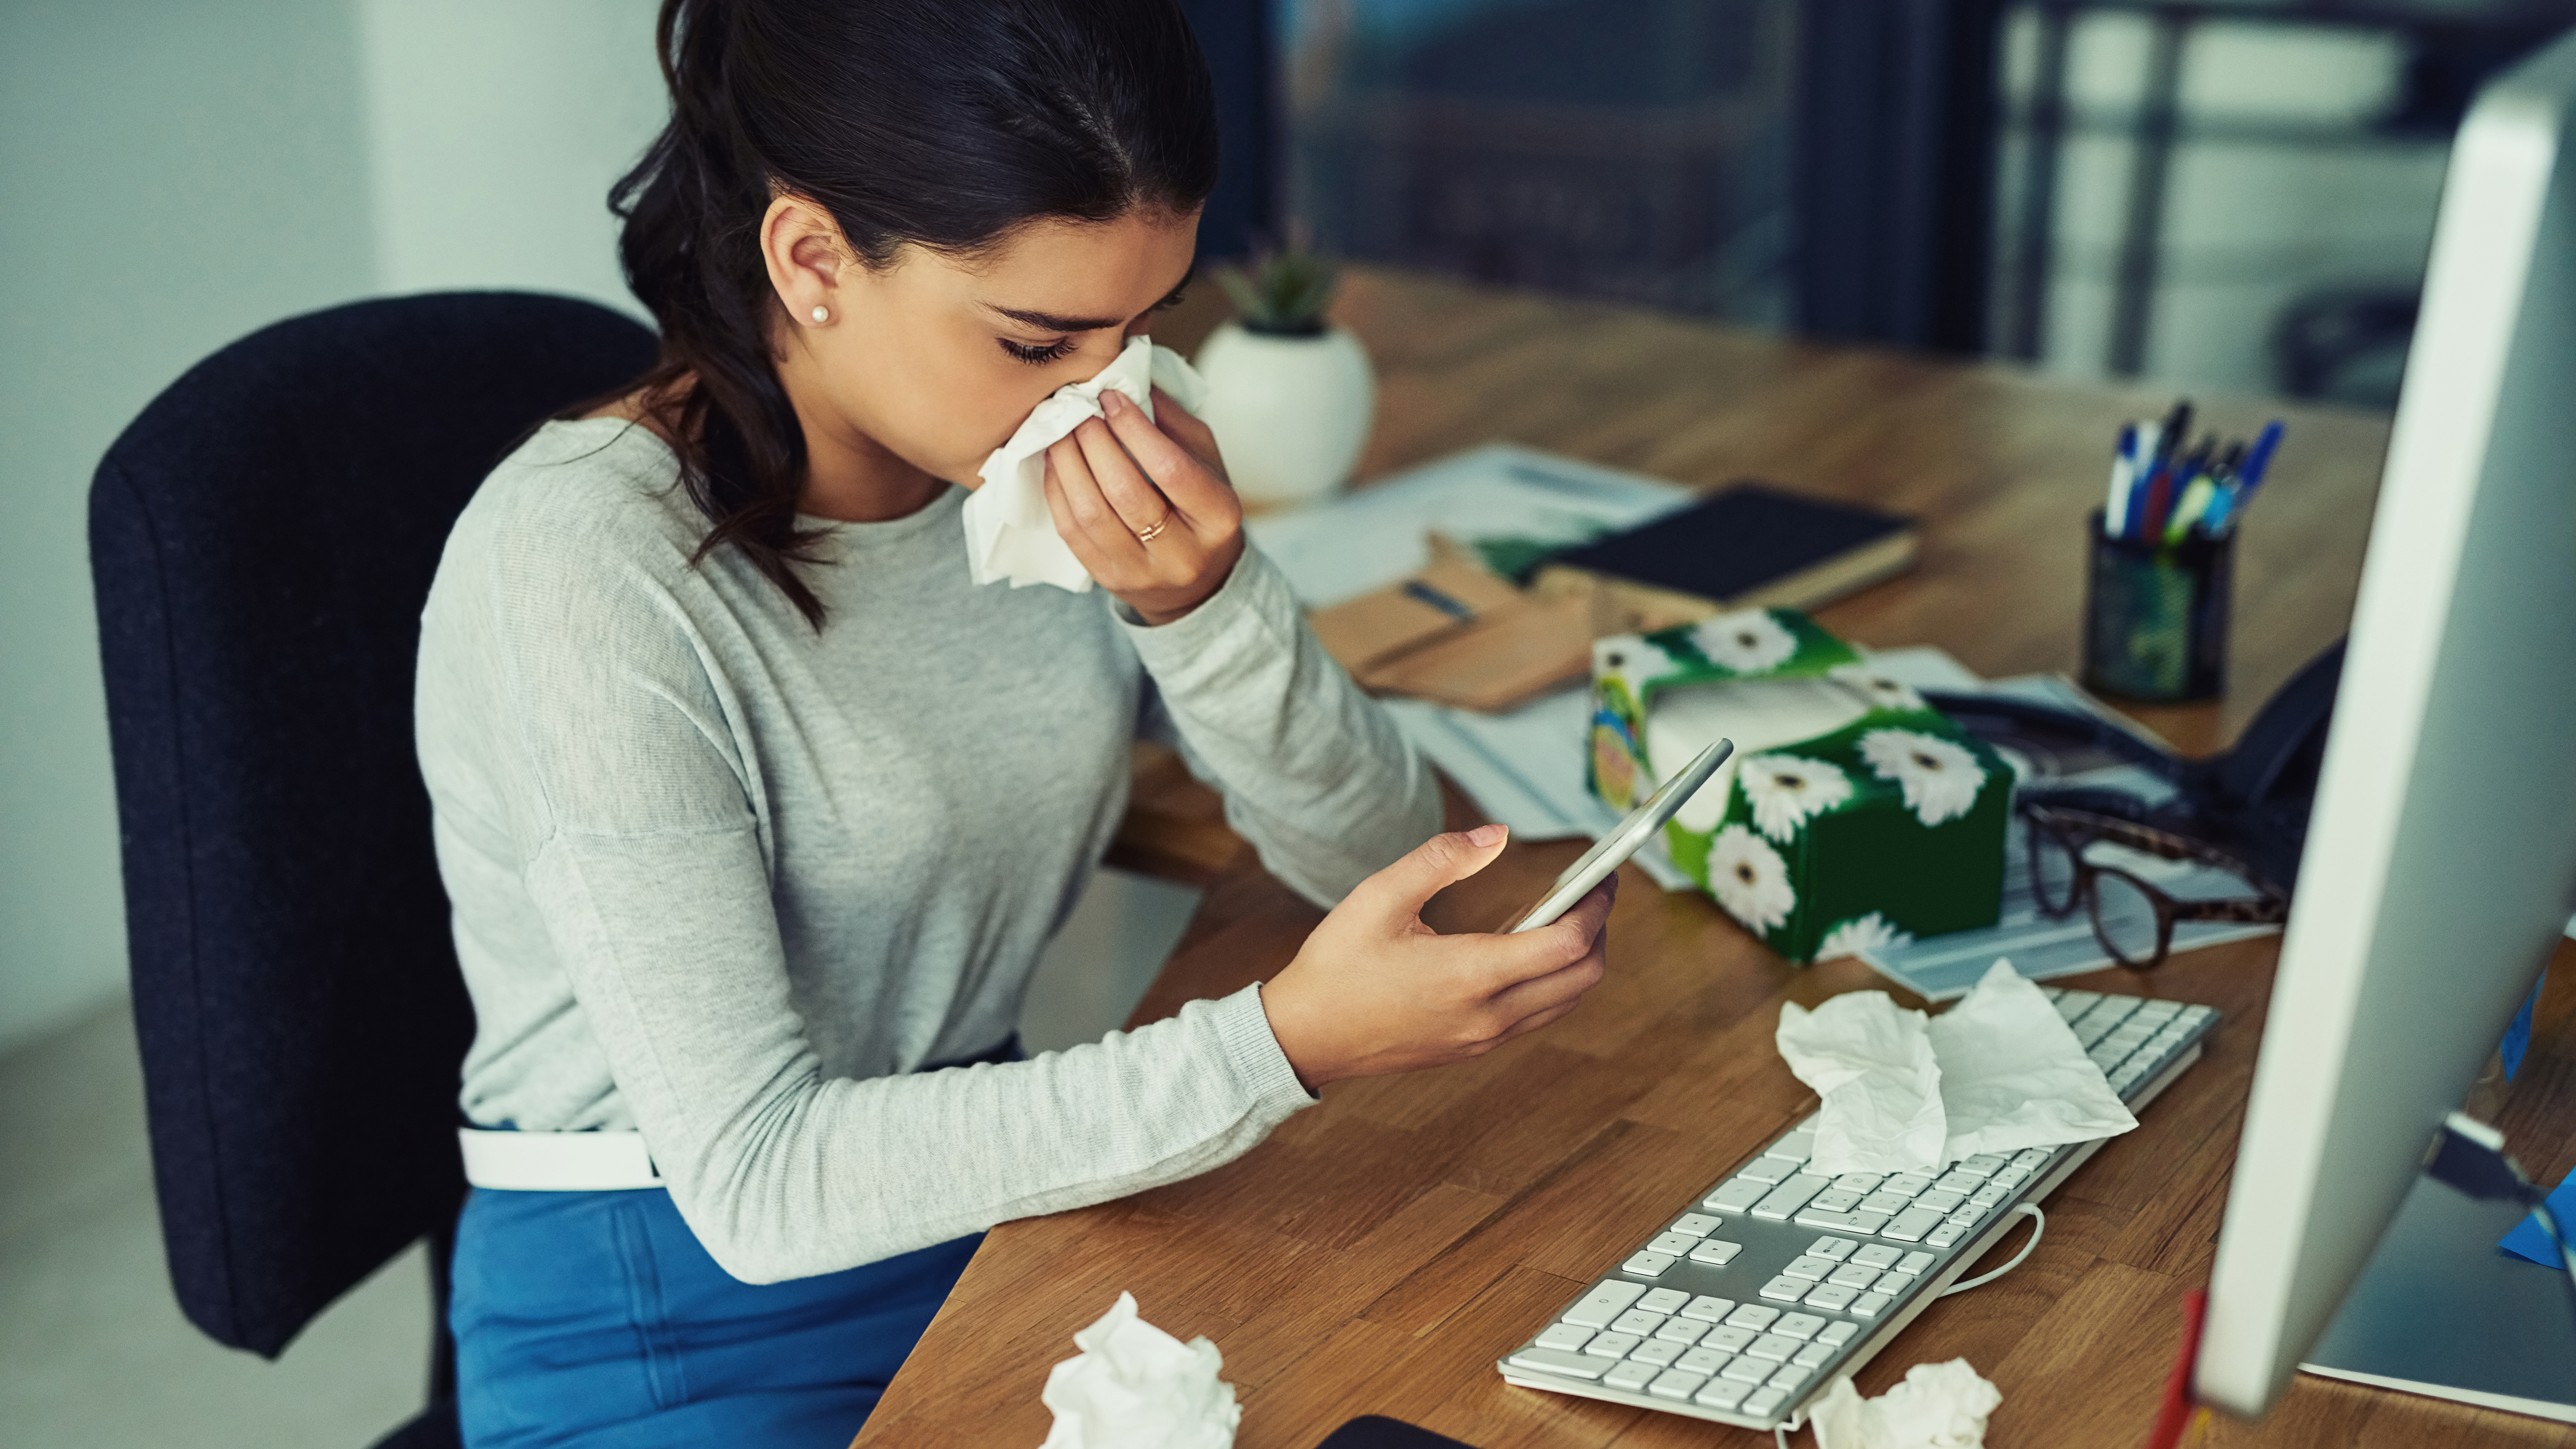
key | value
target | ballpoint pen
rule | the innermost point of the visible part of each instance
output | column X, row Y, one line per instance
column 2115, row 508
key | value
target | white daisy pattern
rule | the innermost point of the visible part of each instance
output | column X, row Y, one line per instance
column 1940, row 779
column 1750, row 879
column 1881, row 691
column 1787, row 791
column 1861, row 933
column 1748, row 641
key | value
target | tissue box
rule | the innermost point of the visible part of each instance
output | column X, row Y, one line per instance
column 1852, row 814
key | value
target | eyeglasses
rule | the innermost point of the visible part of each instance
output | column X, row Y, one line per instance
column 2132, row 918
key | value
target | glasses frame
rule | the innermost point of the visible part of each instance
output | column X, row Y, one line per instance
column 2071, row 830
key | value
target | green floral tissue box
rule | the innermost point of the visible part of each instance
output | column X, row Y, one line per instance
column 1852, row 814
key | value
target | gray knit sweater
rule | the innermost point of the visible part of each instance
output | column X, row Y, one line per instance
column 731, row 882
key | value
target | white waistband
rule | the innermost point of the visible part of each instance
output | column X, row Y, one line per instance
column 557, row 1161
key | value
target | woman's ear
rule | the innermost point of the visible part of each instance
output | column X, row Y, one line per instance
column 806, row 257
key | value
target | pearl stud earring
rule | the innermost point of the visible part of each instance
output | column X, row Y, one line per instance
column 822, row 314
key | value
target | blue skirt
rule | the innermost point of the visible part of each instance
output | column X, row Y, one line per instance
column 594, row 1319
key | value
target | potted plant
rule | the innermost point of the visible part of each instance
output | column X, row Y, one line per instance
column 1290, row 395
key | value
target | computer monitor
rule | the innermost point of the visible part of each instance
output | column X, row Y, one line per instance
column 2441, row 857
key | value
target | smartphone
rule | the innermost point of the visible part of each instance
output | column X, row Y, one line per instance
column 1606, row 853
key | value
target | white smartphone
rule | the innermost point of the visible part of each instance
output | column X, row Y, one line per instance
column 1610, row 850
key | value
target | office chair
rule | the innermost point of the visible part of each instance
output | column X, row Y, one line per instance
column 261, row 541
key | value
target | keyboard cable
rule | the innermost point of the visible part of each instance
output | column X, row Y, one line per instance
column 2038, row 1226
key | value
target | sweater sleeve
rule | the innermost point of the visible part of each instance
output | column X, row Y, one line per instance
column 1313, row 772
column 649, row 863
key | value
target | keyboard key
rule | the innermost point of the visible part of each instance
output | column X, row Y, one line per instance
column 1683, row 1331
column 1937, row 1202
column 1800, row 1143
column 2159, row 1010
column 1988, row 1196
column 1860, row 1181
column 1877, row 1256
column 1946, row 1235
column 1813, row 1355
column 1785, row 1289
column 1550, row 1361
column 1721, row 1394
column 1611, row 1345
column 1656, row 1352
column 1789, row 1196
column 1832, row 1297
column 1672, row 1245
column 1715, row 1252
column 1834, row 1248
column 2074, row 1004
column 1838, row 1334
column 1905, row 1184
column 1773, row 1346
column 1637, row 1321
column 1647, row 1264
column 2032, row 1157
column 1835, row 1200
column 1914, row 1263
column 1967, row 1215
column 1984, row 1164
column 1631, row 1375
column 1854, row 1276
column 1732, row 1340
column 1892, row 1282
column 1800, row 1326
column 1564, row 1337
column 1607, row 1300
column 1870, row 1305
column 1883, row 1202
column 1702, row 1361
column 1763, row 1403
column 1850, row 1222
column 1674, row 1384
column 1908, row 1226
column 1736, row 1196
column 1697, row 1225
column 2010, row 1177
column 1811, row 1269
column 1713, row 1310
column 1663, row 1300
column 1746, row 1370
column 1789, row 1376
column 1767, row 1169
column 1755, row 1316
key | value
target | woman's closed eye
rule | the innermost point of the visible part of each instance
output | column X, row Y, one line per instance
column 1038, row 354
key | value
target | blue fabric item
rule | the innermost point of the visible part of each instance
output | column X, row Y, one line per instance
column 2517, row 1037
column 594, row 1319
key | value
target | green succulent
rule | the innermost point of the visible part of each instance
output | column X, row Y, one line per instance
column 1283, row 293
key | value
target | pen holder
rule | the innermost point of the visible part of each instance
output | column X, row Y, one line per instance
column 2155, row 616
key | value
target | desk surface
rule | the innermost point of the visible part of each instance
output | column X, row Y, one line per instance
column 1381, row 1249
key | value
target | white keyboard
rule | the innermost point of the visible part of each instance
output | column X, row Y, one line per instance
column 1745, row 1309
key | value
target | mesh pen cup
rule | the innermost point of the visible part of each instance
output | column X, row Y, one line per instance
column 2155, row 616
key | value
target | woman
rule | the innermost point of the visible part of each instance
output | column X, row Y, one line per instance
column 755, row 812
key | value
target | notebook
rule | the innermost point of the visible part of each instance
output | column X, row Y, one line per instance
column 1747, row 546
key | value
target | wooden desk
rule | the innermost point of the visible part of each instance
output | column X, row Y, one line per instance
column 1382, row 1249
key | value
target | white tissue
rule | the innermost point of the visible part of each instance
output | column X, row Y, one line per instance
column 1134, row 1386
column 1009, row 533
column 1998, row 1072
column 1938, row 1406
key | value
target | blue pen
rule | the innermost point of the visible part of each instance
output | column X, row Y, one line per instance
column 2222, row 514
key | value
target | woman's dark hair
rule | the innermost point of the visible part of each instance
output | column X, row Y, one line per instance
column 944, row 124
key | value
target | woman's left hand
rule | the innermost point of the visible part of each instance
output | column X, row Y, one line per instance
column 1145, row 505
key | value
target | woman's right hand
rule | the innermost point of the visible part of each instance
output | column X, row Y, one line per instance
column 1374, row 991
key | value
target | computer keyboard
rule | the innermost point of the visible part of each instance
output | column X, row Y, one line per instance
column 1778, row 1281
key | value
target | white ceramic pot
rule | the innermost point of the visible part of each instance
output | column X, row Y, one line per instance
column 1289, row 413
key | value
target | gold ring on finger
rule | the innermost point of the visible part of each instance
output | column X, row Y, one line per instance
column 1148, row 535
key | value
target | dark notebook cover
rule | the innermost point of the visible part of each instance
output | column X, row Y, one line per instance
column 1737, row 541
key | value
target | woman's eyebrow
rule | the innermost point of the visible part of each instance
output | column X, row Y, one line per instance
column 1050, row 322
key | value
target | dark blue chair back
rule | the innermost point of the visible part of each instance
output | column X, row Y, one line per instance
column 261, row 540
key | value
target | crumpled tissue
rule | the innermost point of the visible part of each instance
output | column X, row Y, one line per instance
column 1998, row 1072
column 1134, row 1386
column 1938, row 1406
column 1009, row 533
